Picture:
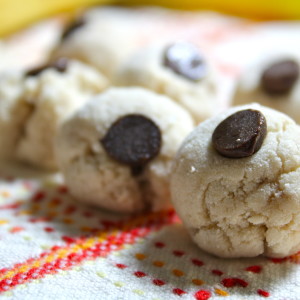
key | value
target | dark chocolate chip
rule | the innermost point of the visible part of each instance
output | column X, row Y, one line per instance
column 133, row 140
column 137, row 170
column 184, row 59
column 59, row 65
column 72, row 27
column 280, row 77
column 36, row 71
column 241, row 134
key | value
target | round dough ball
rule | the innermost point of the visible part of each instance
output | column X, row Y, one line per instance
column 94, row 177
column 241, row 207
column 101, row 41
column 33, row 107
column 250, row 89
column 146, row 69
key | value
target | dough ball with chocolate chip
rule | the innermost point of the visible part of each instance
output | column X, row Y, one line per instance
column 237, row 191
column 100, row 38
column 178, row 70
column 273, row 81
column 116, row 151
column 34, row 105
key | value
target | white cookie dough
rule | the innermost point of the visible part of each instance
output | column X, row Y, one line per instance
column 103, row 42
column 94, row 177
column 241, row 207
column 33, row 107
column 146, row 69
column 249, row 86
column 13, row 112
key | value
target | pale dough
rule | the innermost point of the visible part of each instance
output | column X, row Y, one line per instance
column 95, row 178
column 145, row 68
column 33, row 107
column 104, row 41
column 249, row 88
column 13, row 112
column 241, row 207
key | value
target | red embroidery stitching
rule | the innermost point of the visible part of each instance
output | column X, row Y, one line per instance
column 217, row 272
column 158, row 282
column 178, row 253
column 232, row 282
column 178, row 291
column 203, row 295
column 197, row 262
column 159, row 245
column 254, row 269
column 263, row 293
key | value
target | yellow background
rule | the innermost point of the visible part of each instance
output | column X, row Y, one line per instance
column 15, row 14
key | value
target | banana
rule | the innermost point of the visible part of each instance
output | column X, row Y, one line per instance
column 255, row 9
column 15, row 14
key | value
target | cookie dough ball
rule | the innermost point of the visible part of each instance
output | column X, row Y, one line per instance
column 13, row 112
column 101, row 42
column 246, row 203
column 34, row 105
column 177, row 70
column 116, row 151
column 272, row 81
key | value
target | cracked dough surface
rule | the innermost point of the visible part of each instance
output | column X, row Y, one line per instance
column 145, row 69
column 249, row 88
column 32, row 108
column 241, row 207
column 93, row 177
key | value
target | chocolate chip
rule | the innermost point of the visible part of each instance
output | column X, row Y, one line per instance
column 137, row 170
column 59, row 65
column 133, row 140
column 36, row 71
column 184, row 59
column 241, row 134
column 72, row 27
column 279, row 78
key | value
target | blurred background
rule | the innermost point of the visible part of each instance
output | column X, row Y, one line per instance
column 16, row 14
column 232, row 34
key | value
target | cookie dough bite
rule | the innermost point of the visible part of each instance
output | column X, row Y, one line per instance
column 177, row 70
column 272, row 81
column 12, row 112
column 235, row 183
column 35, row 106
column 99, row 42
column 116, row 151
